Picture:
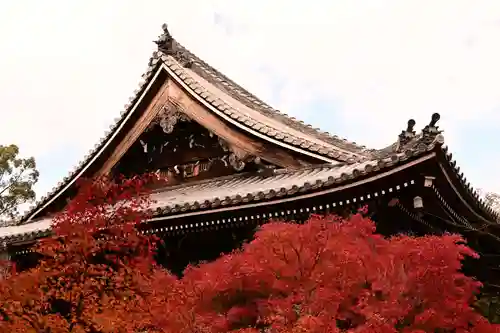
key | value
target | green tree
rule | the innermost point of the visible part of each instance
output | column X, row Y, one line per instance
column 17, row 177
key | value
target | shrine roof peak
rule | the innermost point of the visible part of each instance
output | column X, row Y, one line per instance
column 265, row 119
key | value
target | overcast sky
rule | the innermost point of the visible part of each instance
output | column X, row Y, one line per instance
column 359, row 69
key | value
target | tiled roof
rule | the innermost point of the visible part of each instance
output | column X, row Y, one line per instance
column 233, row 101
column 313, row 138
column 26, row 231
column 238, row 105
column 244, row 188
column 255, row 120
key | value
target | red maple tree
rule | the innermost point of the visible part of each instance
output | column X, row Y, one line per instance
column 96, row 271
column 334, row 275
column 98, row 275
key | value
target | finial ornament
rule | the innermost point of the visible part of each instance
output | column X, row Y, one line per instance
column 169, row 46
column 430, row 131
column 411, row 124
column 435, row 118
column 165, row 40
column 407, row 135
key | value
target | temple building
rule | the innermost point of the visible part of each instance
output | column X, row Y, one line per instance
column 233, row 162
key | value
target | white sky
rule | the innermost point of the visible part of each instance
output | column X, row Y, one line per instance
column 360, row 69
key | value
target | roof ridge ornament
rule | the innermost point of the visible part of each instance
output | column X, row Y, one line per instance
column 170, row 47
column 431, row 131
column 408, row 134
column 408, row 139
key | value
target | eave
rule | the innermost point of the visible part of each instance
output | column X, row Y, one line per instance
column 463, row 190
column 250, row 191
column 236, row 106
column 233, row 115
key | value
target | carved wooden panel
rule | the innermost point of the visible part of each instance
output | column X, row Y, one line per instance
column 242, row 144
column 178, row 136
column 183, row 150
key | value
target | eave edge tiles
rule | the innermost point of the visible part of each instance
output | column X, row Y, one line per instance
column 327, row 176
column 358, row 154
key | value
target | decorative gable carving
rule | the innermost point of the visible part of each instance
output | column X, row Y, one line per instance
column 168, row 117
column 182, row 150
column 169, row 46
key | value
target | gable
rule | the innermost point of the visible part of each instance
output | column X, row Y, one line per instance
column 172, row 107
column 252, row 131
column 163, row 101
column 183, row 151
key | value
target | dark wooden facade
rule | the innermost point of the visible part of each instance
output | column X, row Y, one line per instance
column 234, row 163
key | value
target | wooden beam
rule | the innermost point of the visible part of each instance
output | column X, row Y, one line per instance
column 237, row 139
column 241, row 142
column 153, row 108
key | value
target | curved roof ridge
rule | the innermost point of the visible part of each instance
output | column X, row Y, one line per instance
column 154, row 63
column 170, row 46
column 252, row 120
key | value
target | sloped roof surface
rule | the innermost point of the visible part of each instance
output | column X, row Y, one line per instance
column 268, row 115
column 245, row 188
column 238, row 105
column 229, row 98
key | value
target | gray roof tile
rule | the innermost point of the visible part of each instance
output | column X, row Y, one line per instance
column 236, row 189
column 254, row 113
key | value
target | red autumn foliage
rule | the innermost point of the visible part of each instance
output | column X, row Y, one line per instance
column 331, row 275
column 96, row 271
column 327, row 275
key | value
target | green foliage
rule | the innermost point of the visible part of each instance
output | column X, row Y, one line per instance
column 17, row 177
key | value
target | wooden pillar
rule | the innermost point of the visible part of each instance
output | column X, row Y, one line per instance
column 4, row 254
column 4, row 267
